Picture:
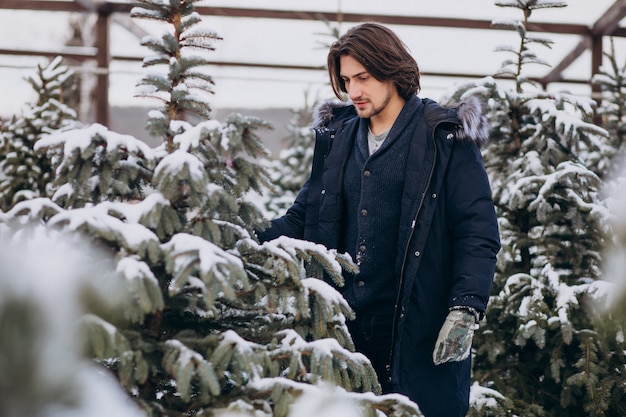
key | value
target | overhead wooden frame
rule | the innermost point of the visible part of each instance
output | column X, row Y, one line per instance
column 591, row 37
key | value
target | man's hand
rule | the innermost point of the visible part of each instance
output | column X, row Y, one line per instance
column 455, row 337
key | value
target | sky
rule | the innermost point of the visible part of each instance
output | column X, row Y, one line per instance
column 301, row 43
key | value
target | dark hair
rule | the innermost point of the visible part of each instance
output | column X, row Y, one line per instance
column 381, row 53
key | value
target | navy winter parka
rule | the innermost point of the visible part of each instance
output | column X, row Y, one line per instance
column 448, row 237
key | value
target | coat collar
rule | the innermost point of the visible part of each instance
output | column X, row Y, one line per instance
column 471, row 123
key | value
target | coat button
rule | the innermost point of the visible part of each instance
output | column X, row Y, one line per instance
column 366, row 174
column 332, row 136
column 450, row 136
column 323, row 192
column 417, row 253
column 360, row 284
column 363, row 212
column 434, row 195
column 362, row 248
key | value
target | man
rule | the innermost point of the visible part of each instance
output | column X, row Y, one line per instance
column 398, row 182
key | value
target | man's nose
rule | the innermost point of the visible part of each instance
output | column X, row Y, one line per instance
column 354, row 92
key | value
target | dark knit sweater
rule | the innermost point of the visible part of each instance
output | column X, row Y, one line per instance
column 372, row 194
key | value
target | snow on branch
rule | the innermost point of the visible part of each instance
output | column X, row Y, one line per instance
column 95, row 164
column 221, row 273
column 143, row 288
column 31, row 211
column 181, row 176
column 325, row 399
column 567, row 122
column 97, row 222
column 186, row 366
column 329, row 311
column 80, row 140
column 318, row 256
column 238, row 359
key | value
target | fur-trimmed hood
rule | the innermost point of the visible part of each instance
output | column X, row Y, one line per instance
column 472, row 122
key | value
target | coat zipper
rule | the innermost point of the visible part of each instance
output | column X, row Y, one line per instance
column 406, row 252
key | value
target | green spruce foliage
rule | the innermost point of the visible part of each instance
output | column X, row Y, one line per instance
column 210, row 322
column 612, row 82
column 293, row 165
column 23, row 173
column 541, row 345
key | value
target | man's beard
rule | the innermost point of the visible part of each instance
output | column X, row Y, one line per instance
column 368, row 112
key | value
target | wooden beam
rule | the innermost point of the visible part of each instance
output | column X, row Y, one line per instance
column 620, row 32
column 64, row 53
column 596, row 54
column 596, row 62
column 77, row 53
column 556, row 73
column 609, row 21
column 42, row 5
column 103, row 59
column 606, row 25
column 113, row 7
column 387, row 19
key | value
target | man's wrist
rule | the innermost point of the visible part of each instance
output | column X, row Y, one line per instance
column 477, row 314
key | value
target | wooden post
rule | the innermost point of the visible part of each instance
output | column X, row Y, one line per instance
column 103, row 59
column 596, row 62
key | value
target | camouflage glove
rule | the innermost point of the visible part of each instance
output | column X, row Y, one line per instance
column 455, row 337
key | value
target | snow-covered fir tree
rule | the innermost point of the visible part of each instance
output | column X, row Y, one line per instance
column 612, row 82
column 292, row 167
column 615, row 254
column 210, row 322
column 290, row 170
column 23, row 173
column 42, row 370
column 541, row 348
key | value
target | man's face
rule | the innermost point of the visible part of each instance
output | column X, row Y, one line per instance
column 370, row 96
